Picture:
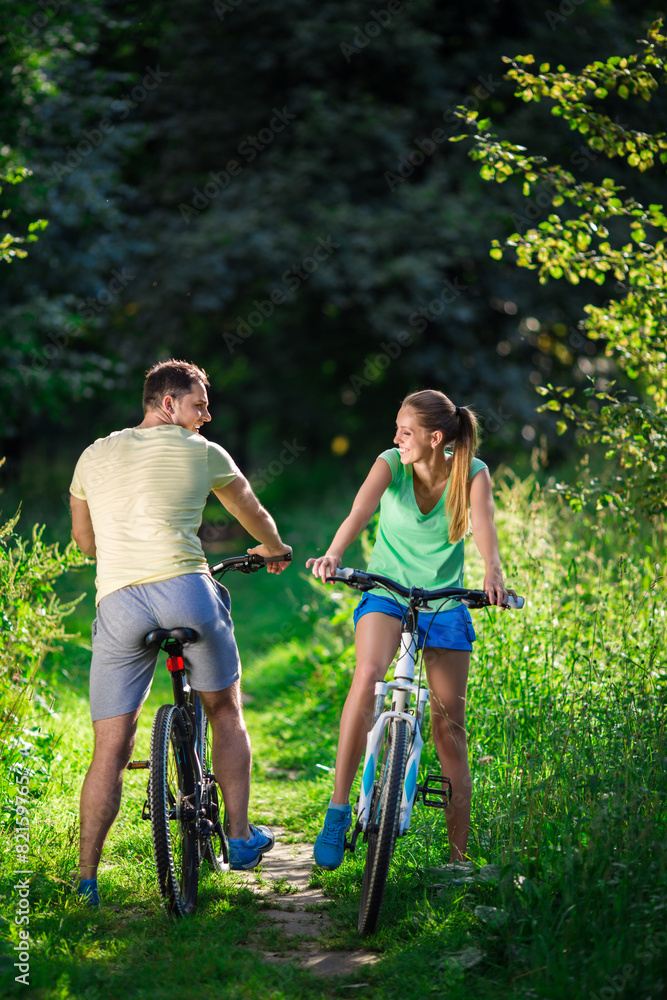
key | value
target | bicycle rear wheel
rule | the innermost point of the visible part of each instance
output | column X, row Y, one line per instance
column 172, row 793
column 383, row 826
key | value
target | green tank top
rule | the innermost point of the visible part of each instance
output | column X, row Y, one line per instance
column 411, row 547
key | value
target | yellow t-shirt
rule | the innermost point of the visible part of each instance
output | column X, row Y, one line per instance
column 146, row 490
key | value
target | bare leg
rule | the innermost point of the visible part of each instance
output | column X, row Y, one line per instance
column 447, row 671
column 376, row 641
column 102, row 786
column 232, row 755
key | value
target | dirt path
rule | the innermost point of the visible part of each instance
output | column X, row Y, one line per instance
column 299, row 913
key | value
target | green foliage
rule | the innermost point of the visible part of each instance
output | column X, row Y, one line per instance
column 566, row 719
column 31, row 625
column 9, row 244
column 356, row 163
column 607, row 236
column 566, row 728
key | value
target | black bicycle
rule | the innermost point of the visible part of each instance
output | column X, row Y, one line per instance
column 183, row 799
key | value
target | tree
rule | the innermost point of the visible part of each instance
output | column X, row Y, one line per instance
column 608, row 237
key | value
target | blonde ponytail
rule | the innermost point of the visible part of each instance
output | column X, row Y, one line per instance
column 458, row 424
column 458, row 494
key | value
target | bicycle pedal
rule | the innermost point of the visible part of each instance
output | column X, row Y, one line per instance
column 146, row 810
column 136, row 765
column 436, row 791
column 352, row 842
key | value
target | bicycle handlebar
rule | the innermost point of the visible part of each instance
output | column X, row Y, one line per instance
column 249, row 563
column 361, row 580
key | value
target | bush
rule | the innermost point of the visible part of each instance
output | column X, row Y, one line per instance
column 31, row 625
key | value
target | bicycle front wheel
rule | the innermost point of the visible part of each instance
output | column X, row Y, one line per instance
column 383, row 826
column 173, row 811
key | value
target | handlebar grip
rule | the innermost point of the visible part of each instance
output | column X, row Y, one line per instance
column 514, row 602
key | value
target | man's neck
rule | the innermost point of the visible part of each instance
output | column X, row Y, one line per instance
column 155, row 418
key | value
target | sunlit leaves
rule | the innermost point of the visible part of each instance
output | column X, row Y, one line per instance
column 633, row 322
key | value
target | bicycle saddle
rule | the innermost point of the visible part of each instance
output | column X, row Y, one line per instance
column 159, row 635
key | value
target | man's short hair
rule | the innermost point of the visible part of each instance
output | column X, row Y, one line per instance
column 170, row 378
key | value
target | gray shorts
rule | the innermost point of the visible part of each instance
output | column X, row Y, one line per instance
column 122, row 668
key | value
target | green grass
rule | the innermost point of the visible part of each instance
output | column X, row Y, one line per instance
column 566, row 722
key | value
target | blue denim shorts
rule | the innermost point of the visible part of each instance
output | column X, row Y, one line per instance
column 442, row 629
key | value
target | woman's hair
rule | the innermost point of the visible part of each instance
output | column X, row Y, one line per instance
column 170, row 378
column 436, row 412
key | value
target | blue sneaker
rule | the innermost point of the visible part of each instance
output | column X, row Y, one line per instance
column 247, row 854
column 329, row 849
column 89, row 893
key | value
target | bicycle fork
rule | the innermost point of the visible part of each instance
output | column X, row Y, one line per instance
column 403, row 688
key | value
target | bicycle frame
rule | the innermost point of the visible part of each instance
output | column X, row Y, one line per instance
column 182, row 799
column 404, row 689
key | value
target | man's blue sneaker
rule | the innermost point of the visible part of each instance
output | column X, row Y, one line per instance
column 247, row 854
column 329, row 848
column 87, row 889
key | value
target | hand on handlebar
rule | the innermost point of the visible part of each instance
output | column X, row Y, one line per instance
column 495, row 588
column 324, row 566
column 267, row 553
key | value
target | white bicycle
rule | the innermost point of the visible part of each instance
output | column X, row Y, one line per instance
column 389, row 781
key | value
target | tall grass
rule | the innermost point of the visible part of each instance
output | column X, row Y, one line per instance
column 32, row 624
column 566, row 720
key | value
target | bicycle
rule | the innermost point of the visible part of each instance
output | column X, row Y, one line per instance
column 182, row 801
column 389, row 782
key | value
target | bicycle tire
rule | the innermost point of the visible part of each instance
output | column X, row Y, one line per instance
column 172, row 790
column 383, row 827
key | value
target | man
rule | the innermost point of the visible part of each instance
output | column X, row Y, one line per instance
column 137, row 498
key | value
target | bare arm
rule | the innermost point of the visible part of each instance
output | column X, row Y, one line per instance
column 364, row 506
column 485, row 535
column 242, row 504
column 82, row 526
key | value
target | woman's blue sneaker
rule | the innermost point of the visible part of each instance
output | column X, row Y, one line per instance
column 329, row 849
column 247, row 854
column 87, row 889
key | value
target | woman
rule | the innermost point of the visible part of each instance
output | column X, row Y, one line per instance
column 432, row 490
